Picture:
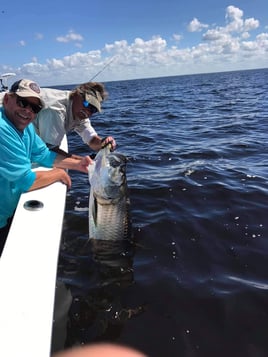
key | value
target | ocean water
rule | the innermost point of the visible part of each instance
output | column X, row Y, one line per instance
column 194, row 279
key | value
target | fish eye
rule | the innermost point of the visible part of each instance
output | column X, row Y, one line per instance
column 115, row 161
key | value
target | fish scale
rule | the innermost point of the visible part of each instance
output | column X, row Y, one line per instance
column 109, row 204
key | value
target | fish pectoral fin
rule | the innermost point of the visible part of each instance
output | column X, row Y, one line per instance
column 95, row 211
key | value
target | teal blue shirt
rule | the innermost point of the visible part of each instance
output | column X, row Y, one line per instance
column 18, row 150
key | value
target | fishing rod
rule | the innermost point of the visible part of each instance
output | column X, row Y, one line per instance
column 103, row 68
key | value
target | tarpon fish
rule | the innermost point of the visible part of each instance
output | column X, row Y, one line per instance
column 109, row 204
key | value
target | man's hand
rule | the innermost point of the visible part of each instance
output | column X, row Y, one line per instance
column 108, row 140
column 82, row 165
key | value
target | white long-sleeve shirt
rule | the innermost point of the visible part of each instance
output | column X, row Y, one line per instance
column 56, row 119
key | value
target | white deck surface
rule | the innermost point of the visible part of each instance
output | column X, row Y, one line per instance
column 28, row 269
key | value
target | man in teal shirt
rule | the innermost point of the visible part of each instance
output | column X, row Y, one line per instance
column 20, row 146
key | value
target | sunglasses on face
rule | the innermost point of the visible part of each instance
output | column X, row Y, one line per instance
column 90, row 107
column 23, row 103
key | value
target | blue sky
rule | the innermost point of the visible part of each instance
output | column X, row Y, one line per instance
column 64, row 42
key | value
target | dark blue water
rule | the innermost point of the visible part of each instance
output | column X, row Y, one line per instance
column 194, row 280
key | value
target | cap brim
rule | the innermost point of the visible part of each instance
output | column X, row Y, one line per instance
column 30, row 94
column 93, row 101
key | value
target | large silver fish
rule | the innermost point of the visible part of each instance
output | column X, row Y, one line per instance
column 109, row 204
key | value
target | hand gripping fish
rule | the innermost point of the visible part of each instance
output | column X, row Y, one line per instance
column 109, row 204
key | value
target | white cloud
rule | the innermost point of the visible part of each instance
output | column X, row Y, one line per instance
column 235, row 22
column 22, row 43
column 249, row 46
column 39, row 36
column 196, row 26
column 177, row 37
column 220, row 48
column 215, row 35
column 251, row 24
column 245, row 35
column 117, row 46
column 230, row 39
column 262, row 41
column 71, row 36
column 233, row 13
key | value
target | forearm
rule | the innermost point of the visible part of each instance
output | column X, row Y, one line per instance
column 73, row 163
column 45, row 178
column 64, row 162
column 95, row 143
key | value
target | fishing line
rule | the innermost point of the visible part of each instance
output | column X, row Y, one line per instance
column 103, row 68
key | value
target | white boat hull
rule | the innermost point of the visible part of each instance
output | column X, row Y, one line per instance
column 28, row 269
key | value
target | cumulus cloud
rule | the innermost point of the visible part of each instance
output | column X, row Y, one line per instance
column 235, row 22
column 251, row 24
column 230, row 39
column 220, row 48
column 177, row 37
column 71, row 36
column 196, row 26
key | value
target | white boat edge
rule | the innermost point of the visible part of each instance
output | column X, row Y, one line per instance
column 28, row 271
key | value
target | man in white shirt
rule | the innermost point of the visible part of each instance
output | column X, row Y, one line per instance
column 71, row 110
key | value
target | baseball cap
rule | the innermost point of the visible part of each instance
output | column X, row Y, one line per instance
column 27, row 88
column 94, row 99
column 92, row 95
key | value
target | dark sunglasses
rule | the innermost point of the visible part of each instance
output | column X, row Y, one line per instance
column 90, row 107
column 23, row 103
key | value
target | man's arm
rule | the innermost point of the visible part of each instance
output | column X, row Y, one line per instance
column 45, row 178
column 58, row 173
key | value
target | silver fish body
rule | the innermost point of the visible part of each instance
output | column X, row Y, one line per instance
column 109, row 204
